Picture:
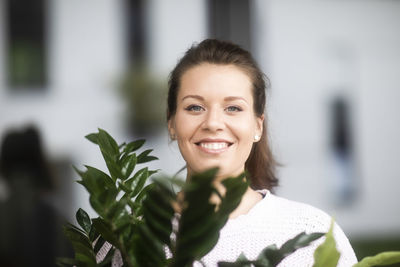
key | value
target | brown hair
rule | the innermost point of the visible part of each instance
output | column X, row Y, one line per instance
column 260, row 164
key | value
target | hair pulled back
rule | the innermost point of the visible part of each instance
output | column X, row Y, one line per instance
column 260, row 164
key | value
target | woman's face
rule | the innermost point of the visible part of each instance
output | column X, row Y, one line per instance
column 215, row 124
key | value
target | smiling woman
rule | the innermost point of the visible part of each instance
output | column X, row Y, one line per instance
column 214, row 122
column 212, row 66
column 215, row 112
column 216, row 104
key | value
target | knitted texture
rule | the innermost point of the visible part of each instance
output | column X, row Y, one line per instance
column 273, row 220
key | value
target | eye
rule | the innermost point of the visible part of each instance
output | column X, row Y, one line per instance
column 194, row 108
column 233, row 109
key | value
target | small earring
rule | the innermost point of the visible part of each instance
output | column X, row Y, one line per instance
column 256, row 137
column 173, row 137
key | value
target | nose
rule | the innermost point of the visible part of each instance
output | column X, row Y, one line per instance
column 214, row 120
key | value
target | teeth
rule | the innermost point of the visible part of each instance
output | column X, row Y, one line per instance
column 214, row 146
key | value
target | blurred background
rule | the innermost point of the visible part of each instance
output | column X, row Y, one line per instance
column 69, row 67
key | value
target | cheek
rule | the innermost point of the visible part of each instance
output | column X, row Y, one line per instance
column 185, row 128
column 245, row 129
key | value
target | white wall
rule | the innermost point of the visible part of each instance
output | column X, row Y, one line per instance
column 174, row 26
column 309, row 49
column 85, row 60
column 297, row 45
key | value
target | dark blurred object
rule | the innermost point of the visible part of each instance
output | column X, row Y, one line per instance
column 229, row 20
column 344, row 186
column 30, row 228
column 145, row 96
column 27, row 43
column 136, row 31
column 144, row 92
column 341, row 133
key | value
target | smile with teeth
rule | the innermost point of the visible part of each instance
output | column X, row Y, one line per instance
column 213, row 147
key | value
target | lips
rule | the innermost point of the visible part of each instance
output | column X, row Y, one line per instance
column 213, row 146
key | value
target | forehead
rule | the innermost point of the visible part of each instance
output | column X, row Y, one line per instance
column 216, row 80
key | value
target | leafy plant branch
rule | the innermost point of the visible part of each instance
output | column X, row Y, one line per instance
column 149, row 224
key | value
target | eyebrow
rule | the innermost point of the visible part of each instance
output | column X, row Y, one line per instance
column 228, row 98
column 231, row 98
column 193, row 96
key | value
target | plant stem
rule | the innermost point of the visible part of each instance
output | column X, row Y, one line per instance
column 124, row 254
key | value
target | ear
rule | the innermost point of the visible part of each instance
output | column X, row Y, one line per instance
column 171, row 128
column 259, row 126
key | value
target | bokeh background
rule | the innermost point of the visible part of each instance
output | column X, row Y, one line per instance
column 69, row 67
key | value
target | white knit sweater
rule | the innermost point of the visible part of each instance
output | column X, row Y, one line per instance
column 273, row 220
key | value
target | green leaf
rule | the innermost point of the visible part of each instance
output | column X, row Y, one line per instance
column 235, row 188
column 133, row 146
column 110, row 151
column 107, row 261
column 151, row 172
column 99, row 244
column 236, row 264
column 128, row 165
column 68, row 225
column 137, row 206
column 326, row 255
column 84, row 255
column 107, row 143
column 299, row 241
column 103, row 199
column 66, row 262
column 124, row 187
column 241, row 261
column 83, row 219
column 112, row 166
column 81, row 245
column 116, row 208
column 105, row 230
column 158, row 212
column 144, row 156
column 384, row 258
column 148, row 250
column 98, row 206
column 120, row 146
column 199, row 223
column 271, row 254
column 75, row 235
column 137, row 182
column 96, row 181
column 93, row 137
column 124, row 224
column 188, row 251
column 93, row 235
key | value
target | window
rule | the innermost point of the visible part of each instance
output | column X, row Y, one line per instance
column 26, row 63
column 136, row 32
column 230, row 20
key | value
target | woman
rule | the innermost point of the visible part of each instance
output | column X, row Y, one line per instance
column 216, row 105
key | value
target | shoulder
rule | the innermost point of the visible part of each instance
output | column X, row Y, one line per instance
column 304, row 217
